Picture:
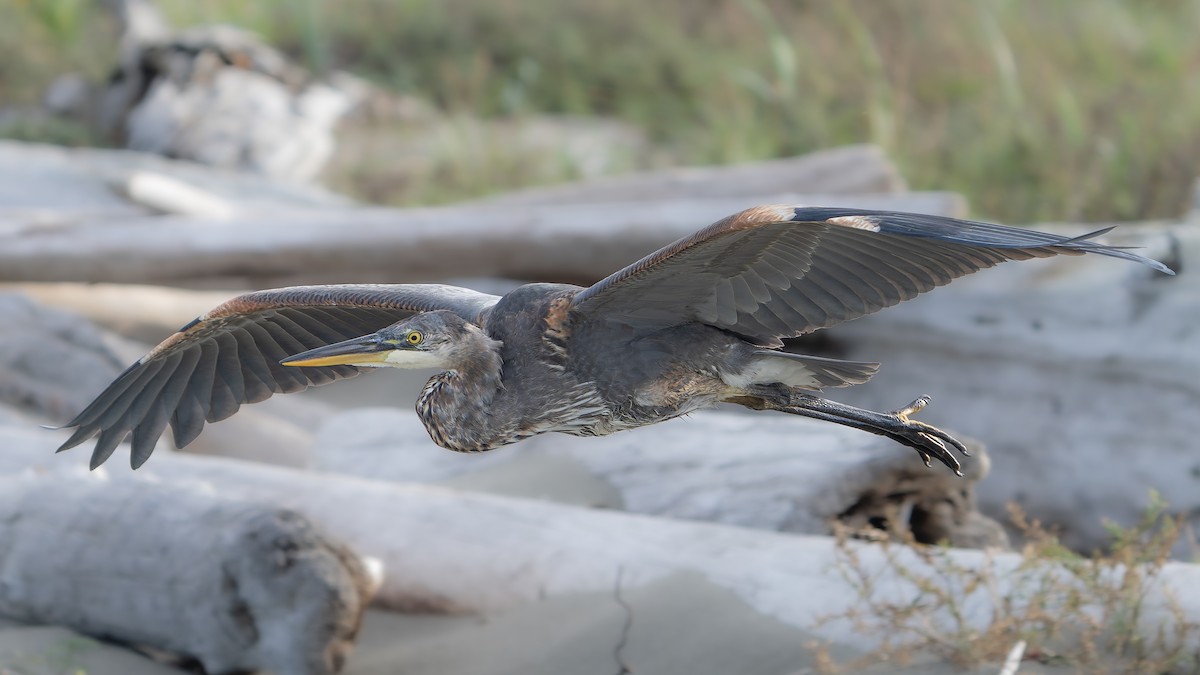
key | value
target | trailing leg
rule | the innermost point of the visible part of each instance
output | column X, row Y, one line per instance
column 927, row 440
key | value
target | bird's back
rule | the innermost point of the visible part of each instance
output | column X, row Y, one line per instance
column 541, row 385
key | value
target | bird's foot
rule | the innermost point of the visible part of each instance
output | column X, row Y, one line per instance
column 928, row 440
column 898, row 425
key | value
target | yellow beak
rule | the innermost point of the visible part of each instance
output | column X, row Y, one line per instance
column 366, row 350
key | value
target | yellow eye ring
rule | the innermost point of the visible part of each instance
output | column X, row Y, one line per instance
column 414, row 337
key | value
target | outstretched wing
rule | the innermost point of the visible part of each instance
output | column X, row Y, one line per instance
column 779, row 271
column 231, row 355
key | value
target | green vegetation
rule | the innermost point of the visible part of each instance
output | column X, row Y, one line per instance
column 1090, row 613
column 1036, row 110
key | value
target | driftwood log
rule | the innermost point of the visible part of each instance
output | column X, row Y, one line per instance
column 236, row 585
column 757, row 470
column 850, row 170
column 445, row 550
column 560, row 243
column 51, row 363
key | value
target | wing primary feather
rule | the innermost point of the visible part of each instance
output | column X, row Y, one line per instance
column 229, row 369
column 196, row 401
column 109, row 439
column 80, row 435
column 114, row 409
column 147, row 432
column 256, row 376
column 112, row 392
column 286, row 380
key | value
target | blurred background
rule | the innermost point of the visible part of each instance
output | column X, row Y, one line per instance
column 158, row 157
column 1035, row 111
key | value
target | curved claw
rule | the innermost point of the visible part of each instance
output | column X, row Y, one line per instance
column 927, row 446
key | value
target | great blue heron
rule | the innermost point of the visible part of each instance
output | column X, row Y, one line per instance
column 693, row 324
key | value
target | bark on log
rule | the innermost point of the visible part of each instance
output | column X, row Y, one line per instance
column 236, row 585
column 560, row 243
column 760, row 470
column 445, row 550
column 1059, row 365
column 850, row 170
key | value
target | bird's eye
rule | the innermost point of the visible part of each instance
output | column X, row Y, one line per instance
column 414, row 337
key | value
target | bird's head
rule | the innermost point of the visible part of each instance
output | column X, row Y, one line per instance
column 437, row 339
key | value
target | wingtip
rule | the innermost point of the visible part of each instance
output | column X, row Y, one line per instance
column 138, row 457
column 1161, row 267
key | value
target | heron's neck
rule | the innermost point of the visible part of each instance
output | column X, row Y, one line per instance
column 455, row 405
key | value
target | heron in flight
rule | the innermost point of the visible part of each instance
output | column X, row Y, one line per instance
column 696, row 323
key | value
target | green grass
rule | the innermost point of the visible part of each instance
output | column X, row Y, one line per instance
column 1035, row 109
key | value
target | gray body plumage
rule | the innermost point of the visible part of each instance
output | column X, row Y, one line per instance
column 696, row 323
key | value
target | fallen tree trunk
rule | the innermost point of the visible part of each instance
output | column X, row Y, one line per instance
column 445, row 550
column 51, row 363
column 560, row 243
column 759, row 470
column 236, row 585
column 145, row 313
column 850, row 170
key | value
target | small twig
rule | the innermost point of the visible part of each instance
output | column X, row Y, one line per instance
column 624, row 668
column 1013, row 661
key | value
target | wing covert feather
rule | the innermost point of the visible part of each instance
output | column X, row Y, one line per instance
column 773, row 272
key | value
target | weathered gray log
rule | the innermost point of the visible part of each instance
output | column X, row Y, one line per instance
column 854, row 169
column 236, row 585
column 145, row 313
column 1081, row 376
column 446, row 550
column 47, row 185
column 561, row 243
column 759, row 470
column 51, row 363
column 1194, row 212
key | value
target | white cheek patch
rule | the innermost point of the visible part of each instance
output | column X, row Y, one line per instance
column 410, row 358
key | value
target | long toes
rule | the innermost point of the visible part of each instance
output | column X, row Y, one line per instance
column 939, row 450
column 937, row 442
column 928, row 447
column 942, row 455
column 944, row 439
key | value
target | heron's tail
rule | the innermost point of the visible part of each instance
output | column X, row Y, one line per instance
column 799, row 370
